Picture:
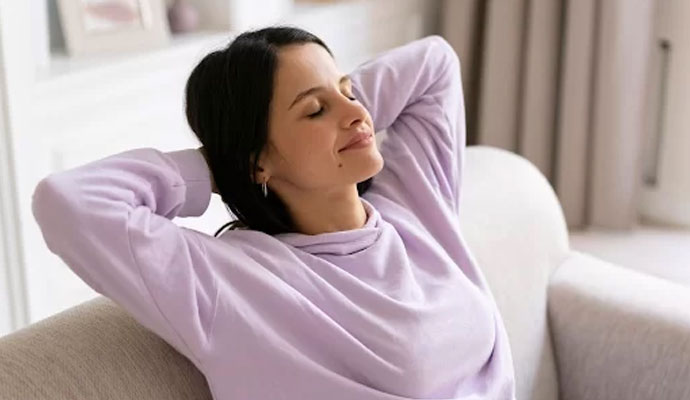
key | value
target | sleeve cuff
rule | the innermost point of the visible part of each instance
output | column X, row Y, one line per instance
column 197, row 179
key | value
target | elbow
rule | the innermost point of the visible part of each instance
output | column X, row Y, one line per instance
column 447, row 52
column 49, row 207
column 42, row 196
column 54, row 207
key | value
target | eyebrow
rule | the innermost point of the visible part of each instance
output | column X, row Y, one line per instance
column 344, row 78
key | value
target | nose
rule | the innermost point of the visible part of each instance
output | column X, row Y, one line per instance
column 355, row 113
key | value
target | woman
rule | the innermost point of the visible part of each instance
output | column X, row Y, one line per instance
column 332, row 283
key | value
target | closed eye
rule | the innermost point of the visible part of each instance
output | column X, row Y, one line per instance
column 316, row 114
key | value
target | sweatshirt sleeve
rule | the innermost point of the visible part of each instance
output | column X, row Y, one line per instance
column 414, row 91
column 110, row 221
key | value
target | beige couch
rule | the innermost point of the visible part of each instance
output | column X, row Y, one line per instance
column 580, row 328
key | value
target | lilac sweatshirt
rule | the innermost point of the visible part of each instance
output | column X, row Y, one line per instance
column 397, row 309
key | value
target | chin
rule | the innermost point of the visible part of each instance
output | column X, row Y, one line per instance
column 375, row 167
column 365, row 166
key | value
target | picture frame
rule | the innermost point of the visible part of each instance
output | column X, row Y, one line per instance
column 113, row 26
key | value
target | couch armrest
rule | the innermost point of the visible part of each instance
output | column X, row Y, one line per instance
column 618, row 333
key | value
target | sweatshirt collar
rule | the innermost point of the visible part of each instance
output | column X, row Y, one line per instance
column 340, row 242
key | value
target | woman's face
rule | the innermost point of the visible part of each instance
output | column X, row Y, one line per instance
column 307, row 129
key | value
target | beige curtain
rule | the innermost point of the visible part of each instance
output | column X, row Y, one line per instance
column 565, row 84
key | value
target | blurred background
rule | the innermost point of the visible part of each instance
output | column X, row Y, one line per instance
column 592, row 92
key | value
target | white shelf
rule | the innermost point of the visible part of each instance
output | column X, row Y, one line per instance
column 61, row 64
column 65, row 72
column 62, row 68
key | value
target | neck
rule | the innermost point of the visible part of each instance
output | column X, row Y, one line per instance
column 334, row 211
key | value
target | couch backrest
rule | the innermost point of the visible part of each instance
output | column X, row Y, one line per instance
column 94, row 351
column 515, row 229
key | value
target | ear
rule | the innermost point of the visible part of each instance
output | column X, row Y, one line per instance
column 261, row 174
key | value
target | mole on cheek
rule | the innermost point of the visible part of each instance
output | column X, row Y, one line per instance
column 340, row 165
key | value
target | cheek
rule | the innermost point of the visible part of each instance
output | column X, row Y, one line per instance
column 311, row 151
column 314, row 145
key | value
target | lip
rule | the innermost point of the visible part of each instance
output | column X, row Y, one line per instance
column 356, row 139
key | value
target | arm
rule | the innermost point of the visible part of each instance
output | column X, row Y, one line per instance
column 416, row 90
column 110, row 222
